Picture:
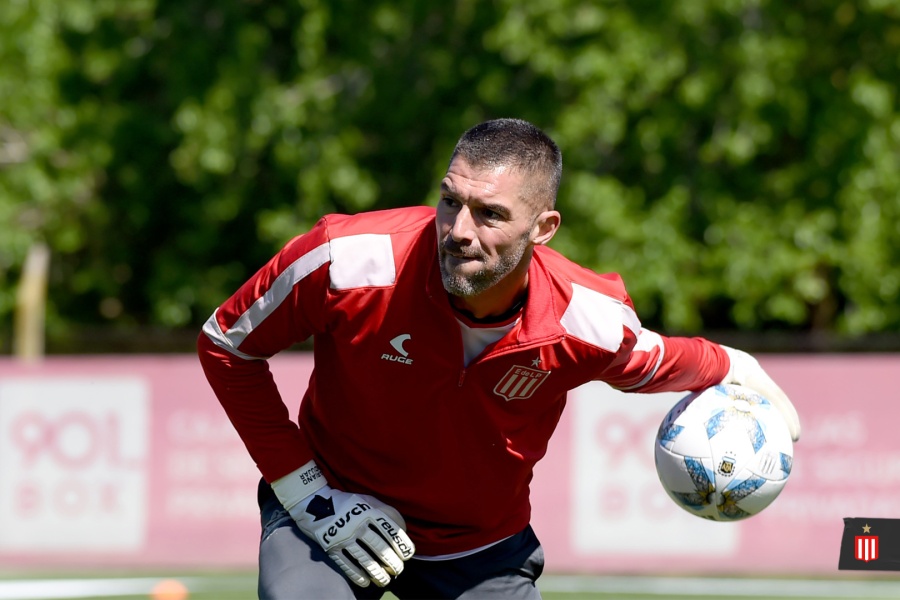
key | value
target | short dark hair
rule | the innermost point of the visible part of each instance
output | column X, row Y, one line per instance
column 520, row 145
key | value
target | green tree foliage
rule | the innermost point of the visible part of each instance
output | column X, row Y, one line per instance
column 744, row 154
column 737, row 161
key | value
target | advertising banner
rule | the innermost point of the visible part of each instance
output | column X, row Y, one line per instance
column 131, row 461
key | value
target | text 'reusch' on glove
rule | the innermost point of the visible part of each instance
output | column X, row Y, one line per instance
column 365, row 537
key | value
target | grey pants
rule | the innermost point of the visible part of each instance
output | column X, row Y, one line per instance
column 293, row 567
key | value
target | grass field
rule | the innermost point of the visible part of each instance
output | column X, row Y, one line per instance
column 242, row 586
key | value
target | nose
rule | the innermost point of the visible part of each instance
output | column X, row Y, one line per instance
column 462, row 228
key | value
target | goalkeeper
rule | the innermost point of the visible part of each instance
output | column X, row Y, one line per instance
column 445, row 341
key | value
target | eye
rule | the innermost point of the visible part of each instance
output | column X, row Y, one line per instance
column 493, row 214
column 449, row 201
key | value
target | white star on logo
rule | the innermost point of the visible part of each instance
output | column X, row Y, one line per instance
column 536, row 362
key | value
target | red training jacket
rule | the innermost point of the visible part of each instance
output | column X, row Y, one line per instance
column 391, row 410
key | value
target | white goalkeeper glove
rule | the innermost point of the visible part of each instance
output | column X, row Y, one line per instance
column 363, row 536
column 746, row 371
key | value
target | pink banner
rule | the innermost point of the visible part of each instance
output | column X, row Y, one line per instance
column 125, row 460
column 131, row 461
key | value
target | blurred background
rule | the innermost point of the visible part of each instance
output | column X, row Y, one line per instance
column 737, row 161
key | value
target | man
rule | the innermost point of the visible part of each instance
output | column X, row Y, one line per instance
column 445, row 341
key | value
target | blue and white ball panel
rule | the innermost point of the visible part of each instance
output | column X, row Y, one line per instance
column 689, row 481
column 754, row 494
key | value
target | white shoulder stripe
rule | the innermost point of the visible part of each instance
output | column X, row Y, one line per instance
column 267, row 303
column 219, row 338
column 647, row 341
column 598, row 319
column 364, row 260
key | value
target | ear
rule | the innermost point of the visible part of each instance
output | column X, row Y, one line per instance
column 545, row 227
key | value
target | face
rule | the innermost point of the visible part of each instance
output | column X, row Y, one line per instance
column 485, row 228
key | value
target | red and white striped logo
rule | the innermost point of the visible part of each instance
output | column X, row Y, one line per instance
column 520, row 383
column 866, row 547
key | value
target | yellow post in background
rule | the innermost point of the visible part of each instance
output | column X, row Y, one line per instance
column 31, row 302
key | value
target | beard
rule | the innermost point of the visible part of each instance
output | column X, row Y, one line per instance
column 466, row 285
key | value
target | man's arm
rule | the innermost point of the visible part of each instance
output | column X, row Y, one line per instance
column 284, row 303
column 658, row 363
column 248, row 393
column 280, row 305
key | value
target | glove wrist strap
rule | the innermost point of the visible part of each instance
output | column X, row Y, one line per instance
column 298, row 485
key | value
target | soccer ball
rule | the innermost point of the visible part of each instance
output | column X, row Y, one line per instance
column 723, row 453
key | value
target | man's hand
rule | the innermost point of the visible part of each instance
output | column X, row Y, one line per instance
column 363, row 536
column 746, row 371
